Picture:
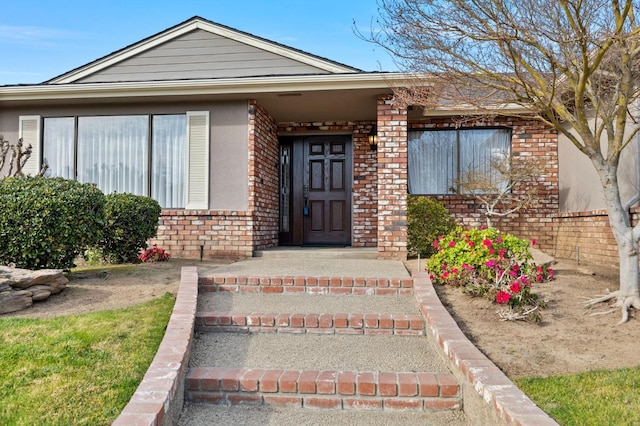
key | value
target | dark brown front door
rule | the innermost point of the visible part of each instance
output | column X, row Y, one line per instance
column 320, row 195
column 327, row 180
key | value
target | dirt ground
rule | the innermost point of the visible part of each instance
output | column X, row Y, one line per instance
column 567, row 340
column 120, row 287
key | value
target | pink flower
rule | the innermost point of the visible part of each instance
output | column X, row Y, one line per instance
column 533, row 242
column 502, row 252
column 516, row 267
column 499, row 240
column 491, row 250
column 435, row 244
column 487, row 243
column 444, row 276
column 513, row 274
column 515, row 287
column 431, row 277
column 454, row 270
column 524, row 279
column 471, row 244
column 452, row 243
column 490, row 263
column 539, row 278
column 502, row 297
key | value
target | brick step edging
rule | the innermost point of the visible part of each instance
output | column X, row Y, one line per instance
column 328, row 389
column 340, row 323
column 309, row 285
column 505, row 402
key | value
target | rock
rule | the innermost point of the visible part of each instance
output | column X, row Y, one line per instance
column 39, row 292
column 25, row 278
column 19, row 288
column 12, row 301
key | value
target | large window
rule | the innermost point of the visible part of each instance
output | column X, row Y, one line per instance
column 138, row 154
column 438, row 157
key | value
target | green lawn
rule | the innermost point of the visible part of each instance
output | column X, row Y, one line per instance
column 609, row 397
column 77, row 370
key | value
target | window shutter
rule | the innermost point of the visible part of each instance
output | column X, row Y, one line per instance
column 29, row 131
column 197, row 160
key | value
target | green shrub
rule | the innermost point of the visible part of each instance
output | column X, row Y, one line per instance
column 47, row 222
column 426, row 220
column 485, row 262
column 130, row 221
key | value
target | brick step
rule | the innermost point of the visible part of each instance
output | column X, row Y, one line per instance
column 339, row 323
column 307, row 284
column 324, row 389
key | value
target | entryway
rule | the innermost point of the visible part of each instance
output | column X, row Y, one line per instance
column 315, row 190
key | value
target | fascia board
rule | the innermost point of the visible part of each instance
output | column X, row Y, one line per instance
column 200, row 87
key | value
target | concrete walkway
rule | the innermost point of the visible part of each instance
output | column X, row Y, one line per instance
column 338, row 355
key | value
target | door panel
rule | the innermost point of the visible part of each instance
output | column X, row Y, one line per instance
column 327, row 177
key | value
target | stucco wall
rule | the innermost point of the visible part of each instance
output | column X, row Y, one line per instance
column 580, row 187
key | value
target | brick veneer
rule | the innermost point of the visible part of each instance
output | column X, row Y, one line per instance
column 392, row 180
column 530, row 138
column 365, row 185
column 263, row 176
column 587, row 237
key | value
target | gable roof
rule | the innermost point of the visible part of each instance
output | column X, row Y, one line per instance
column 259, row 57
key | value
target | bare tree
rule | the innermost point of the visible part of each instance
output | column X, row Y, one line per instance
column 573, row 64
column 506, row 186
column 17, row 157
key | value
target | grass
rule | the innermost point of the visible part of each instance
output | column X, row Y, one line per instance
column 77, row 370
column 607, row 397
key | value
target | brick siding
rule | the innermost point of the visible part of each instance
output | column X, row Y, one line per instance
column 530, row 138
column 392, row 180
column 587, row 237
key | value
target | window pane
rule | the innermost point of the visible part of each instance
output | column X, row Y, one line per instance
column 113, row 153
column 169, row 157
column 480, row 147
column 432, row 161
column 58, row 147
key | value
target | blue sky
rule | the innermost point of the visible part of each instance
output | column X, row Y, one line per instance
column 42, row 39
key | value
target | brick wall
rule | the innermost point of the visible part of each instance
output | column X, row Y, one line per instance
column 392, row 180
column 530, row 138
column 222, row 233
column 263, row 176
column 587, row 237
column 365, row 192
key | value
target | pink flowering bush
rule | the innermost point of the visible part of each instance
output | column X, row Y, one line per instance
column 487, row 263
column 154, row 254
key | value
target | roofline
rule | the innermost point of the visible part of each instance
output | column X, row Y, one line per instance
column 199, row 23
column 248, row 85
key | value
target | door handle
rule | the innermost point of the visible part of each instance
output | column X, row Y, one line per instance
column 305, row 196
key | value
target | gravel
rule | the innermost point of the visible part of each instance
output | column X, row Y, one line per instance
column 202, row 414
column 316, row 352
column 321, row 304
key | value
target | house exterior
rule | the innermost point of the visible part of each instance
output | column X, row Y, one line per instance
column 248, row 144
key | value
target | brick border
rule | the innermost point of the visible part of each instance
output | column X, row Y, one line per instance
column 160, row 396
column 324, row 389
column 293, row 323
column 505, row 401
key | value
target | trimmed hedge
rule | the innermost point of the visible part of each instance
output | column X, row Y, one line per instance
column 426, row 220
column 130, row 221
column 47, row 222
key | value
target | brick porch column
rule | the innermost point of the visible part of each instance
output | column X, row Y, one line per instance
column 392, row 180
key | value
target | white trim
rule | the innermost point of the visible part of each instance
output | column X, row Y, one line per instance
column 189, row 26
column 29, row 130
column 225, row 86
